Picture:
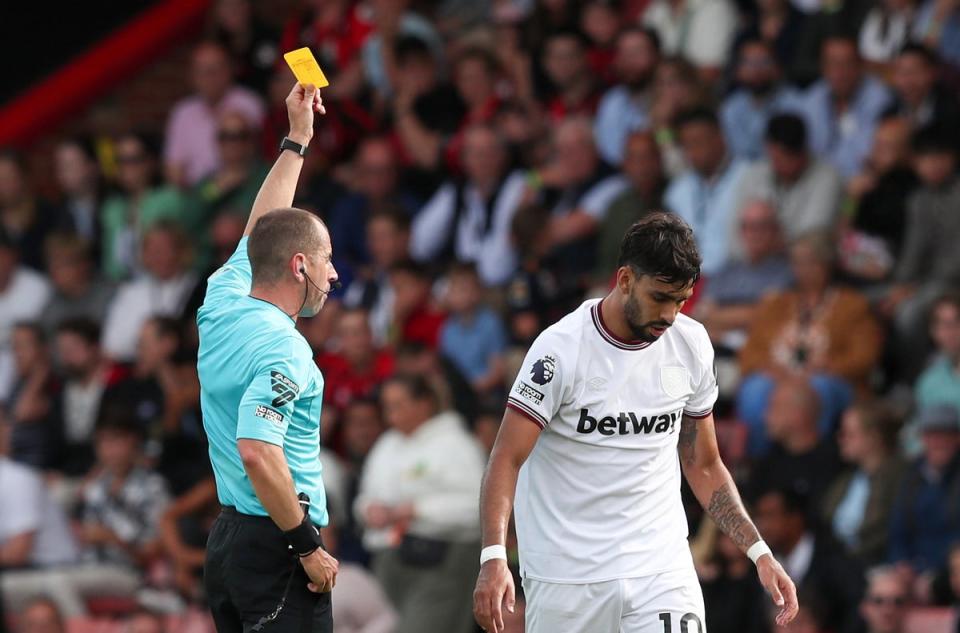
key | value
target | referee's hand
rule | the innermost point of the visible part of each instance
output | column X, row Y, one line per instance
column 302, row 102
column 322, row 569
column 495, row 590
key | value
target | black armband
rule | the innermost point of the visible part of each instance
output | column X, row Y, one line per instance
column 304, row 539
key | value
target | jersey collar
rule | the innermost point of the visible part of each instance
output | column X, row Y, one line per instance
column 609, row 336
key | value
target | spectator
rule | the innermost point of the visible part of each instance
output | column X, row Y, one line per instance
column 676, row 90
column 643, row 169
column 885, row 604
column 473, row 336
column 779, row 24
column 23, row 295
column 871, row 245
column 361, row 425
column 801, row 457
column 624, row 107
column 730, row 298
column 191, row 151
column 415, row 318
column 358, row 367
column 250, row 42
column 233, row 185
column 36, row 434
column 940, row 382
column 140, row 203
column 600, row 21
column 77, row 290
column 144, row 621
column 858, row 504
column 760, row 94
column 34, row 532
column 25, row 219
column 41, row 616
column 183, row 530
column 806, row 191
column 885, row 31
column 705, row 195
column 375, row 187
column 394, row 20
column 918, row 94
column 423, row 529
column 162, row 291
column 699, row 31
column 335, row 28
column 842, row 108
column 937, row 26
column 816, row 564
column 470, row 221
column 578, row 188
column 929, row 262
column 733, row 598
column 925, row 522
column 574, row 89
column 387, row 242
column 77, row 172
column 818, row 329
column 452, row 388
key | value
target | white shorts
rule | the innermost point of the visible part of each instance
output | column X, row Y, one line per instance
column 670, row 602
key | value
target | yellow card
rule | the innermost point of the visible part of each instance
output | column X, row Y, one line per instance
column 305, row 67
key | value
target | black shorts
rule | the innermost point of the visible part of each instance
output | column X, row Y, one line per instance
column 248, row 570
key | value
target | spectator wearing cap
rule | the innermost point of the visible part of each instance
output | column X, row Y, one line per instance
column 470, row 220
column 816, row 563
column 804, row 190
column 842, row 108
column 759, row 95
column 78, row 292
column 858, row 503
column 700, row 31
column 930, row 262
column 919, row 95
column 23, row 295
column 706, row 195
column 625, row 107
column 886, row 601
column 926, row 516
column 940, row 381
column 191, row 150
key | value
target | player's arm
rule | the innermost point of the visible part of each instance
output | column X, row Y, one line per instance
column 715, row 489
column 495, row 588
column 280, row 185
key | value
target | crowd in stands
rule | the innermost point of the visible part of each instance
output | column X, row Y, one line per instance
column 477, row 166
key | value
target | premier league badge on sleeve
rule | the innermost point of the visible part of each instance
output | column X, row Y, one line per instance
column 542, row 370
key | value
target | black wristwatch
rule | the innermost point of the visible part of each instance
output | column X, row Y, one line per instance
column 293, row 146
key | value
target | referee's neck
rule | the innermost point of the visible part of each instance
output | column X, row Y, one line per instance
column 281, row 296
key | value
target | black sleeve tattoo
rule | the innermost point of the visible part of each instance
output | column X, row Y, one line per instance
column 728, row 513
column 687, row 441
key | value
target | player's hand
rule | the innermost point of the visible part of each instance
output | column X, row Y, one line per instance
column 301, row 104
column 495, row 590
column 781, row 589
column 322, row 569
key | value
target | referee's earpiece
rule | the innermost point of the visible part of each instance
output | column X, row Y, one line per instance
column 303, row 271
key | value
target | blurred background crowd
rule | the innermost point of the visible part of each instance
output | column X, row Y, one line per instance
column 477, row 166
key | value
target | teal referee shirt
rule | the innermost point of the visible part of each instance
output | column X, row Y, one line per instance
column 258, row 381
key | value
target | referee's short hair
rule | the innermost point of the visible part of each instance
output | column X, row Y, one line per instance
column 278, row 236
column 662, row 245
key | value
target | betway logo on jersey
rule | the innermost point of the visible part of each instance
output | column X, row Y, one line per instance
column 626, row 423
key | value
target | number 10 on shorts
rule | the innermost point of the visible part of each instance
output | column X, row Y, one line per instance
column 685, row 621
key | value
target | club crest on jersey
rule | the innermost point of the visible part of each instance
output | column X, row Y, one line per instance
column 542, row 370
column 627, row 423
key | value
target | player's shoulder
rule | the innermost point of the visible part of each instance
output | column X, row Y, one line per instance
column 691, row 334
column 566, row 333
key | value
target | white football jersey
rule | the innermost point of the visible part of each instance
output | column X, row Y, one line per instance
column 598, row 498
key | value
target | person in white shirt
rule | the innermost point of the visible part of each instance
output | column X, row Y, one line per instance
column 418, row 504
column 587, row 457
column 23, row 294
column 163, row 291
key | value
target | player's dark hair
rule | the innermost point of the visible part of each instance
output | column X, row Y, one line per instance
column 86, row 329
column 696, row 115
column 661, row 245
column 417, row 386
column 278, row 236
column 787, row 131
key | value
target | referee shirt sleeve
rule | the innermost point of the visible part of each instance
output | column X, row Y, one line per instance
column 538, row 390
column 233, row 278
column 267, row 405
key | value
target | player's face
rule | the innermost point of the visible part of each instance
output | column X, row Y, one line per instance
column 652, row 305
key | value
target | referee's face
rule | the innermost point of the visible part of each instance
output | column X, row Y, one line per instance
column 652, row 304
column 322, row 275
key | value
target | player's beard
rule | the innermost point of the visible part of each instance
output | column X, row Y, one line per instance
column 633, row 315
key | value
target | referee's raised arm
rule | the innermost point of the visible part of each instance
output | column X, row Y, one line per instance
column 280, row 185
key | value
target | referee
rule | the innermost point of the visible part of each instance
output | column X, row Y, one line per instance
column 260, row 392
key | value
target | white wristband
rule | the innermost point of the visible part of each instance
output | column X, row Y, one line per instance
column 492, row 552
column 757, row 550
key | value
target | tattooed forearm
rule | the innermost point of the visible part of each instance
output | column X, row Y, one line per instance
column 687, row 441
column 728, row 513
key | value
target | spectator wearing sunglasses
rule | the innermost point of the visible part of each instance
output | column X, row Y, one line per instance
column 885, row 603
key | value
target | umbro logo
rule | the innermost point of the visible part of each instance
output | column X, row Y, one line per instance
column 596, row 384
column 285, row 389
